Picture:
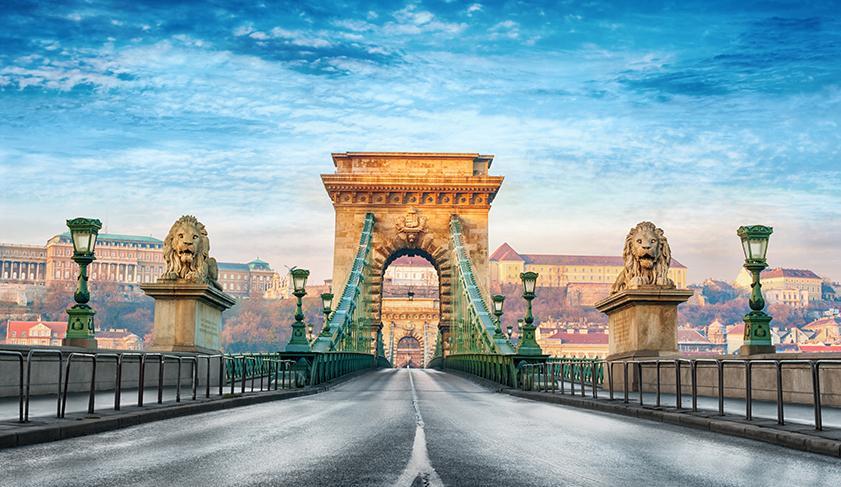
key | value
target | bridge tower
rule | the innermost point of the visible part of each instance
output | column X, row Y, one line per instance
column 413, row 197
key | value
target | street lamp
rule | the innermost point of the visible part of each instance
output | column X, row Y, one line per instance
column 510, row 330
column 326, row 308
column 527, row 345
column 80, row 329
column 411, row 295
column 498, row 301
column 298, row 342
column 757, row 337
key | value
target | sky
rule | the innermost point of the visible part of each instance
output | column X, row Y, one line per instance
column 699, row 116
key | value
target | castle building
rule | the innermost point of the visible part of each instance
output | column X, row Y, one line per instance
column 125, row 259
column 246, row 280
column 587, row 278
column 22, row 264
column 128, row 260
column 793, row 287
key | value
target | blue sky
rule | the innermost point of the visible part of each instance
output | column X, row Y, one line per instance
column 700, row 116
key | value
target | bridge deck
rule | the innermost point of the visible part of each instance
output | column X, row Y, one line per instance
column 365, row 432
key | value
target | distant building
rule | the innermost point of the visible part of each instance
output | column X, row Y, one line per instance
column 128, row 260
column 246, row 280
column 118, row 339
column 280, row 287
column 717, row 333
column 410, row 274
column 23, row 264
column 793, row 287
column 35, row 333
column 691, row 342
column 411, row 271
column 736, row 337
column 582, row 342
column 588, row 278
column 824, row 330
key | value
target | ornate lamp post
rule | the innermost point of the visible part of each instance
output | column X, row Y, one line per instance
column 80, row 330
column 527, row 344
column 298, row 342
column 411, row 295
column 391, row 345
column 326, row 308
column 510, row 331
column 498, row 301
column 757, row 330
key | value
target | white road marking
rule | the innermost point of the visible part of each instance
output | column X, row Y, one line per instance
column 419, row 464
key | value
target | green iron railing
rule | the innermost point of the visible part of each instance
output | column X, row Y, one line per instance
column 472, row 328
column 562, row 374
column 350, row 323
column 491, row 366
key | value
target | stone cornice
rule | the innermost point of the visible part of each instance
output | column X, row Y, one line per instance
column 430, row 191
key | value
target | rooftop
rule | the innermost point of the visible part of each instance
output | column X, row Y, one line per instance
column 117, row 237
column 506, row 253
column 781, row 272
column 580, row 338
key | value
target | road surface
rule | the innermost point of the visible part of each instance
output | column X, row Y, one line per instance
column 418, row 427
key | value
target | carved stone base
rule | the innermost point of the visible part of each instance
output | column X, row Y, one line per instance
column 188, row 317
column 642, row 322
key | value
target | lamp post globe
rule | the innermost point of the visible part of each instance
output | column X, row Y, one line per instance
column 527, row 344
column 298, row 342
column 757, row 336
column 80, row 327
column 498, row 301
column 326, row 308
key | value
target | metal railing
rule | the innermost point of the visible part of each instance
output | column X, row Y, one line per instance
column 581, row 374
column 272, row 372
column 555, row 374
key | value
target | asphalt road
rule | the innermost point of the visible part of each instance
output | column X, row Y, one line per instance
column 411, row 428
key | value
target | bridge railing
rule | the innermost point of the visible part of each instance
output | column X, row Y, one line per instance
column 472, row 329
column 97, row 372
column 649, row 380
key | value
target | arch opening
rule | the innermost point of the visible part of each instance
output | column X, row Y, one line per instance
column 410, row 307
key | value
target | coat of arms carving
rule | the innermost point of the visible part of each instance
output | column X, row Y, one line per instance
column 410, row 226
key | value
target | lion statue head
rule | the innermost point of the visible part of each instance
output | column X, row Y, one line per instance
column 646, row 257
column 187, row 253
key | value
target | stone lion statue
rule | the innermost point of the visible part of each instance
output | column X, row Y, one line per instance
column 186, row 252
column 647, row 257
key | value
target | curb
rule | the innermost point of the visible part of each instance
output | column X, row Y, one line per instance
column 766, row 431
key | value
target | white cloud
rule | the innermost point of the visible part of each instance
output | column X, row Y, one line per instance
column 243, row 30
column 354, row 25
column 299, row 38
column 506, row 28
column 474, row 7
column 411, row 21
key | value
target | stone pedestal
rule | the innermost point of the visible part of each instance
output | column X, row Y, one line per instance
column 642, row 322
column 188, row 317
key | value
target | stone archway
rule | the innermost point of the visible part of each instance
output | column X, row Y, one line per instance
column 409, row 353
column 413, row 197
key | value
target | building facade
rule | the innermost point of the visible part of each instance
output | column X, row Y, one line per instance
column 253, row 279
column 588, row 278
column 35, row 333
column 118, row 339
column 127, row 260
column 23, row 264
column 794, row 287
